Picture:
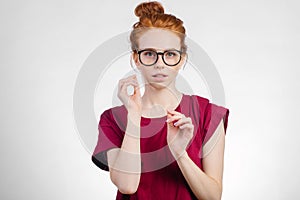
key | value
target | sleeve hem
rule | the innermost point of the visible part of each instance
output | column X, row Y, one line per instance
column 217, row 114
column 99, row 164
column 100, row 159
column 210, row 144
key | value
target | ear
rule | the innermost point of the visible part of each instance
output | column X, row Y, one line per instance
column 183, row 61
column 184, row 57
column 135, row 58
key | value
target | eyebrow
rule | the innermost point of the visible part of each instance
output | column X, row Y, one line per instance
column 159, row 49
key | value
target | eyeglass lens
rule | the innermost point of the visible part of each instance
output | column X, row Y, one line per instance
column 150, row 57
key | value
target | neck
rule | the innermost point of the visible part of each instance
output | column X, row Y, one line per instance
column 156, row 101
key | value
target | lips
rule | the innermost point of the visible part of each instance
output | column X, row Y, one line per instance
column 159, row 75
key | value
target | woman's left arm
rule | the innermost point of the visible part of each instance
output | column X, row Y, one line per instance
column 206, row 184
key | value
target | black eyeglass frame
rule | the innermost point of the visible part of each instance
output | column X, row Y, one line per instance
column 157, row 54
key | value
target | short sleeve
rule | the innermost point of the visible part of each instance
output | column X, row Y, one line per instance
column 213, row 117
column 109, row 136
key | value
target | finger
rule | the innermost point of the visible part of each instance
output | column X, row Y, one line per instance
column 121, row 83
column 129, row 82
column 137, row 90
column 123, row 80
column 174, row 112
column 124, row 87
column 182, row 121
column 128, row 79
column 173, row 118
column 131, row 77
column 186, row 126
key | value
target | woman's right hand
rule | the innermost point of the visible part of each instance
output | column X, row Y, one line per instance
column 131, row 102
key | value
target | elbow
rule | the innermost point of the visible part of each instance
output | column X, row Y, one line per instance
column 219, row 193
column 126, row 186
column 215, row 196
column 127, row 190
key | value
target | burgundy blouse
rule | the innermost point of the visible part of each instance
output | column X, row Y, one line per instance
column 161, row 177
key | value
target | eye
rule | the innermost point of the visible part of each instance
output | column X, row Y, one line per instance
column 149, row 53
column 171, row 54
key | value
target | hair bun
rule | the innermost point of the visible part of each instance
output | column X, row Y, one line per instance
column 149, row 8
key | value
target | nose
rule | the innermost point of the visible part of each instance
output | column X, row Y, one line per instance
column 160, row 63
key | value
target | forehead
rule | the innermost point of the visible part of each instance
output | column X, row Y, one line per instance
column 159, row 39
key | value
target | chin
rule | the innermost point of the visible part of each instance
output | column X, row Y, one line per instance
column 157, row 85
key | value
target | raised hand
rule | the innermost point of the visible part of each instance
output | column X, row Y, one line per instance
column 133, row 103
column 180, row 132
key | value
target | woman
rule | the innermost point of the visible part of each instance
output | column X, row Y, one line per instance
column 164, row 144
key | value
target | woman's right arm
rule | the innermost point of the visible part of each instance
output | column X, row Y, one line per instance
column 125, row 162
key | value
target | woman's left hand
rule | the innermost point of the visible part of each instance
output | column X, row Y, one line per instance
column 180, row 132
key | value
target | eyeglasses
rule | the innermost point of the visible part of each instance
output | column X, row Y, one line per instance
column 149, row 56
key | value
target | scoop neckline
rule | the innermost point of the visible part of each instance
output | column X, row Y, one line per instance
column 165, row 116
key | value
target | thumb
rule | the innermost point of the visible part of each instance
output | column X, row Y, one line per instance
column 137, row 91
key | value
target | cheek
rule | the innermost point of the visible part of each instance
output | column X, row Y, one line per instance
column 174, row 71
column 145, row 72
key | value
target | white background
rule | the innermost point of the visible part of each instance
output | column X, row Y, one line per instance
column 253, row 44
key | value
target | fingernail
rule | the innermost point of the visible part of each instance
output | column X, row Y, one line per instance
column 175, row 124
column 167, row 120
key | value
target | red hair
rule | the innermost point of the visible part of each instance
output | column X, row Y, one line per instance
column 152, row 15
